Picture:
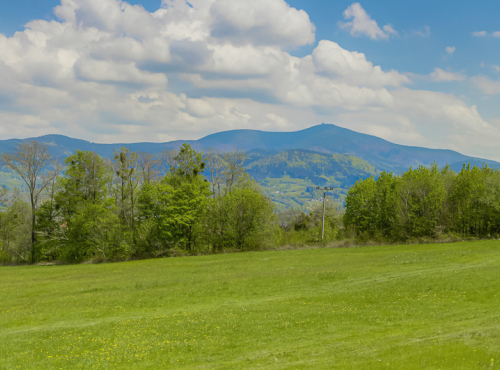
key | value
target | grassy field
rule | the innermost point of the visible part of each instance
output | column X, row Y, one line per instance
column 392, row 307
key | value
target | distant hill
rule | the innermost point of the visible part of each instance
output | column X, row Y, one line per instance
column 321, row 168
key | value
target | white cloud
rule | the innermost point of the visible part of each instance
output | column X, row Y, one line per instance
column 439, row 76
column 487, row 85
column 112, row 72
column 484, row 33
column 479, row 33
column 450, row 49
column 453, row 122
column 352, row 67
column 17, row 125
column 261, row 22
column 416, row 113
column 425, row 32
column 198, row 107
column 248, row 59
column 277, row 121
column 363, row 24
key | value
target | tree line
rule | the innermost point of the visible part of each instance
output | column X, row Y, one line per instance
column 133, row 205
column 425, row 202
column 138, row 205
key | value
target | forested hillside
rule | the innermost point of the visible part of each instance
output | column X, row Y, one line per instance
column 319, row 167
column 290, row 177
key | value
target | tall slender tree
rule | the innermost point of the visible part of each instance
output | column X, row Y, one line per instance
column 33, row 163
column 128, row 176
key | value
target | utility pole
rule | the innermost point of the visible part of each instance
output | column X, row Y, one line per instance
column 324, row 190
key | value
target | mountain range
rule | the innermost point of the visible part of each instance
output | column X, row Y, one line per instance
column 324, row 138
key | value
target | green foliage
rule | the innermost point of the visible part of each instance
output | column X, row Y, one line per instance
column 421, row 194
column 243, row 219
column 361, row 208
column 189, row 166
column 86, row 180
column 467, row 199
column 93, row 232
column 182, row 212
column 86, row 176
column 78, row 220
column 171, row 209
column 425, row 202
column 182, row 209
column 126, row 181
column 304, row 228
column 15, row 231
column 48, row 227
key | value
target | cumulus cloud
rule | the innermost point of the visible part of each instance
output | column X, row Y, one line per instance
column 439, row 76
column 496, row 34
column 450, row 49
column 108, row 71
column 363, row 25
column 352, row 67
column 261, row 22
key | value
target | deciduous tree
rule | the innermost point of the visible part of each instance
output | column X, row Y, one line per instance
column 33, row 163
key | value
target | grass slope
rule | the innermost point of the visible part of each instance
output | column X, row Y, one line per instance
column 393, row 307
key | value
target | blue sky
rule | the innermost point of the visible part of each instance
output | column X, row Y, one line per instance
column 420, row 73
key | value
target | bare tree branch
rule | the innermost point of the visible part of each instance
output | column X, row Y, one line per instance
column 168, row 160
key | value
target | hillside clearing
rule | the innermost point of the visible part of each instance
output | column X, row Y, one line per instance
column 431, row 306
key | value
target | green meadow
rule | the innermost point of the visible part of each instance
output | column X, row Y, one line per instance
column 434, row 306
